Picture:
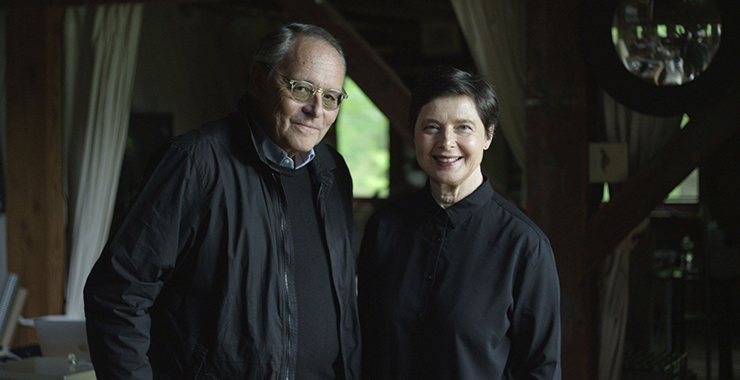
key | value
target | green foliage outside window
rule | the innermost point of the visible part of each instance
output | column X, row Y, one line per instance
column 688, row 190
column 363, row 139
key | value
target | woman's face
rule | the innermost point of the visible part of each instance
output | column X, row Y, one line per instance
column 450, row 139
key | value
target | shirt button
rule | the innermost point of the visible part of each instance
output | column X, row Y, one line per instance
column 428, row 277
column 439, row 239
column 419, row 315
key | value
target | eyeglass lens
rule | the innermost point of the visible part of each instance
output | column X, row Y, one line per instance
column 302, row 91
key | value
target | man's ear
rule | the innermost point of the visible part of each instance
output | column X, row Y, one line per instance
column 256, row 78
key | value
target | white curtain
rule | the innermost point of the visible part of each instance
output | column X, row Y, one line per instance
column 645, row 135
column 495, row 31
column 614, row 306
column 100, row 50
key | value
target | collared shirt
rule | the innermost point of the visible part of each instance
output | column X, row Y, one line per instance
column 276, row 154
column 467, row 292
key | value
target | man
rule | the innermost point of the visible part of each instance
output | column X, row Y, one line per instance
column 236, row 261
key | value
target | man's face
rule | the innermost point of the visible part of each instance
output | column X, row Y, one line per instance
column 294, row 126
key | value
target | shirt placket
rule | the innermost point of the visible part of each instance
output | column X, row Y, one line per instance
column 430, row 274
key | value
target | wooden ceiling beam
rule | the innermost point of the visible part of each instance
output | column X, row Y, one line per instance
column 686, row 150
column 364, row 65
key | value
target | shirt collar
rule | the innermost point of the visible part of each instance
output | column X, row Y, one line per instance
column 460, row 211
column 276, row 154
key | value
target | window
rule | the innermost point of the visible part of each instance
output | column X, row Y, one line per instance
column 363, row 138
column 686, row 192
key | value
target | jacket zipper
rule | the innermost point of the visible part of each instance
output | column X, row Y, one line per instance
column 281, row 220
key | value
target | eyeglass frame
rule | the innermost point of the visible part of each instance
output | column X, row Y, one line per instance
column 315, row 89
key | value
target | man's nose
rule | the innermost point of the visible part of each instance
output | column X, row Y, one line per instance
column 313, row 106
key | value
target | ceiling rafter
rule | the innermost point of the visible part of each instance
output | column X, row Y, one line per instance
column 686, row 150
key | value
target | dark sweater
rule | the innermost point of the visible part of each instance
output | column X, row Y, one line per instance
column 318, row 341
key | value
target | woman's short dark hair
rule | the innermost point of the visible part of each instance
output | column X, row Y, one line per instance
column 447, row 81
column 274, row 45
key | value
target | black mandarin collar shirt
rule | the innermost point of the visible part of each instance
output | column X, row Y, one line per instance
column 467, row 292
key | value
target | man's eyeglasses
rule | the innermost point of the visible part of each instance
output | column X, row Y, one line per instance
column 303, row 91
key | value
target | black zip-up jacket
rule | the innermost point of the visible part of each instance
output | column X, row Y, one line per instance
column 198, row 282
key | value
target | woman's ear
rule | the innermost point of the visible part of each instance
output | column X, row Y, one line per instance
column 489, row 137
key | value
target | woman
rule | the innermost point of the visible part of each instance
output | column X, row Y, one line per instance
column 454, row 281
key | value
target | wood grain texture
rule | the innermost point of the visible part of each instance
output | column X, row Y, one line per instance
column 35, row 202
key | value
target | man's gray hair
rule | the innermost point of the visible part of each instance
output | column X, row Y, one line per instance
column 275, row 45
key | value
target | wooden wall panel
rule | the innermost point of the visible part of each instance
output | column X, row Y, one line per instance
column 35, row 204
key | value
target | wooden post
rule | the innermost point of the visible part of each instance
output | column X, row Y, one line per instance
column 35, row 203
column 558, row 119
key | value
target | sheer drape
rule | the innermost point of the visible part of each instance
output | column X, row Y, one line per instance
column 495, row 31
column 645, row 135
column 100, row 49
column 614, row 306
